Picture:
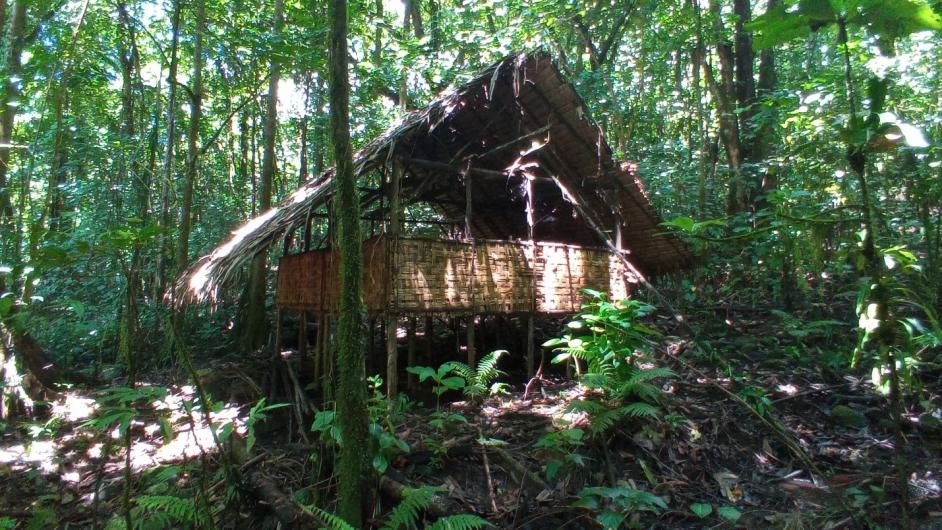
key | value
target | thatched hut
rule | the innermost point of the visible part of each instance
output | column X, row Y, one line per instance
column 529, row 204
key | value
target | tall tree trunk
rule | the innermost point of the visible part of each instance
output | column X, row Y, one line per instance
column 253, row 324
column 166, row 185
column 766, row 180
column 12, row 65
column 129, row 172
column 723, row 91
column 193, row 133
column 352, row 414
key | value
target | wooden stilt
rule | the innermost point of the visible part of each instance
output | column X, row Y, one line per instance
column 392, row 269
column 371, row 348
column 318, row 340
column 429, row 330
column 472, row 347
column 410, row 355
column 392, row 356
column 530, row 346
column 277, row 332
column 302, row 341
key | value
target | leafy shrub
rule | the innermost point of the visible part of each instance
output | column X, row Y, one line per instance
column 475, row 383
column 616, row 349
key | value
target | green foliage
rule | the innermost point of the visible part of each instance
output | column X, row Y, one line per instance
column 757, row 398
column 616, row 349
column 407, row 515
column 729, row 513
column 257, row 414
column 384, row 444
column 480, row 382
column 476, row 383
column 615, row 505
column 562, row 446
column 701, row 510
column 166, row 511
column 886, row 20
column 464, row 521
column 333, row 522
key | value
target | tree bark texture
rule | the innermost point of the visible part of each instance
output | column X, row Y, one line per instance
column 352, row 412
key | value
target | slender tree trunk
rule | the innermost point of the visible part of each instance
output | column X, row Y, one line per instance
column 253, row 330
column 12, row 65
column 352, row 414
column 766, row 180
column 723, row 91
column 129, row 172
column 192, row 153
column 167, row 184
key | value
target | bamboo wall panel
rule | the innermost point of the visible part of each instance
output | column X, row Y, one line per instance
column 436, row 276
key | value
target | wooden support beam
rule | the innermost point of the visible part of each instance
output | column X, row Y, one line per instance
column 318, row 348
column 531, row 223
column 429, row 330
column 392, row 315
column 458, row 170
column 302, row 338
column 472, row 347
column 531, row 357
column 410, row 355
column 511, row 144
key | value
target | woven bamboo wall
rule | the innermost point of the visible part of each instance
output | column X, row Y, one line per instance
column 454, row 277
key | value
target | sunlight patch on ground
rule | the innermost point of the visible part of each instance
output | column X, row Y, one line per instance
column 40, row 454
column 553, row 409
column 149, row 447
column 74, row 407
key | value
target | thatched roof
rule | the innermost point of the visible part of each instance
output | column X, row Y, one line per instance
column 517, row 119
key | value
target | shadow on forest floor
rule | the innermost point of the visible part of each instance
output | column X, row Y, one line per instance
column 704, row 449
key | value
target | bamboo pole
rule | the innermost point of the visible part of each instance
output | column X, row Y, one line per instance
column 392, row 315
column 532, row 258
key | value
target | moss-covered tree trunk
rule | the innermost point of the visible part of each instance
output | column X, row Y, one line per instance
column 352, row 414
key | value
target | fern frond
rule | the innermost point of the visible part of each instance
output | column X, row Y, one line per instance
column 645, row 391
column 462, row 370
column 639, row 410
column 464, row 521
column 406, row 514
column 652, row 373
column 333, row 522
column 589, row 406
column 178, row 509
column 487, row 368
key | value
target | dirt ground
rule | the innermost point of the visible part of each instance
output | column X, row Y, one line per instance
column 810, row 451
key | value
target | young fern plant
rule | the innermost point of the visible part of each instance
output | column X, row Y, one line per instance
column 615, row 347
column 481, row 382
column 475, row 383
column 407, row 515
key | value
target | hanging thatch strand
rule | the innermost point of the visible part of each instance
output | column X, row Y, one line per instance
column 516, row 122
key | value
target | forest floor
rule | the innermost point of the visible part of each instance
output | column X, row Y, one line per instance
column 802, row 450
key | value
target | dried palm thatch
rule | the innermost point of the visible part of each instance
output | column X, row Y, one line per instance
column 517, row 128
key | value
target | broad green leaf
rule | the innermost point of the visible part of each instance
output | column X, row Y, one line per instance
column 778, row 27
column 729, row 513
column 610, row 520
column 552, row 467
column 701, row 509
column 424, row 372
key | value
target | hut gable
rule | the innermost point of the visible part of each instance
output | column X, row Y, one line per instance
column 539, row 166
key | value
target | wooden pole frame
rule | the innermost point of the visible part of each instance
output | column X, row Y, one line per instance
column 392, row 270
